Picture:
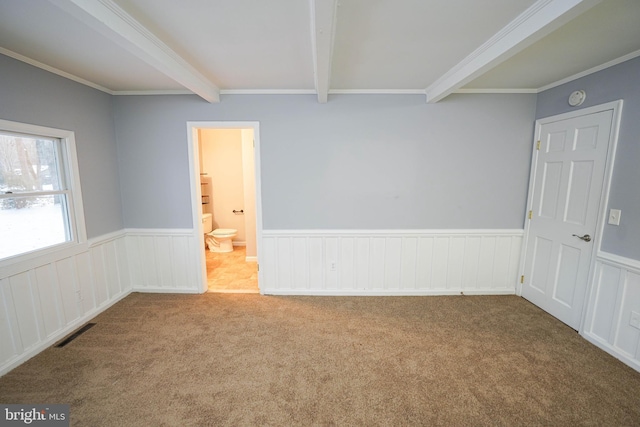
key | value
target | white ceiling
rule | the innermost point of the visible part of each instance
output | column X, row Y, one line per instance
column 207, row 47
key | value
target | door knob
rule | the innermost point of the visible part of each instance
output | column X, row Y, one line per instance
column 586, row 237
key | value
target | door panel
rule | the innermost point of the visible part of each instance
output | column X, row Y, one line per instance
column 568, row 180
column 550, row 189
column 556, row 141
column 569, row 259
column 579, row 191
column 540, row 263
column 586, row 138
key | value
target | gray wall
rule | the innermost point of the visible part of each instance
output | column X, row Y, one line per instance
column 356, row 162
column 31, row 95
column 619, row 82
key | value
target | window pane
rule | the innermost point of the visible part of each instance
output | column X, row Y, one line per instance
column 28, row 164
column 30, row 223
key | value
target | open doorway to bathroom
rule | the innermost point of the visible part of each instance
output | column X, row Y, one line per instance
column 225, row 183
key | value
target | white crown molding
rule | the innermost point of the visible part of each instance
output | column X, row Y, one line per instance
column 537, row 21
column 56, row 71
column 151, row 92
column 331, row 92
column 106, row 17
column 143, row 92
column 267, row 92
column 323, row 28
column 595, row 69
column 376, row 92
column 53, row 70
column 498, row 90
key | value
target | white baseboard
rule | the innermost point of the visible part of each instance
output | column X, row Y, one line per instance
column 283, row 292
column 43, row 345
column 613, row 350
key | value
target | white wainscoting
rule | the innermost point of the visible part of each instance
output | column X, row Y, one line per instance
column 615, row 294
column 45, row 299
column 163, row 260
column 390, row 262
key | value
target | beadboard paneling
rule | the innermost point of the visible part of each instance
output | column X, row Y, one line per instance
column 390, row 262
column 44, row 301
column 615, row 294
column 162, row 260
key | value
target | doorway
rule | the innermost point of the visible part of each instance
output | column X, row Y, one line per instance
column 250, row 231
column 570, row 174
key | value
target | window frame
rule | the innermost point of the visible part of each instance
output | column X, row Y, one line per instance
column 70, row 174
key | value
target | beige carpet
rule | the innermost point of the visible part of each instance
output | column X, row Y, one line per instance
column 244, row 359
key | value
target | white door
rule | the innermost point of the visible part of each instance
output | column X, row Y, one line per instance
column 568, row 175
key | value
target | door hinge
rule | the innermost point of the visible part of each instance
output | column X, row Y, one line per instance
column 258, row 267
column 538, row 145
column 521, row 279
column 530, row 214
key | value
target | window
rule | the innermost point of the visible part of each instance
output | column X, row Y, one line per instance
column 40, row 204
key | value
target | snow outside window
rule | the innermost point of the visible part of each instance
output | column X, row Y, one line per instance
column 36, row 192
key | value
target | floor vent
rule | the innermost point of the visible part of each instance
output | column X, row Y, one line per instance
column 75, row 335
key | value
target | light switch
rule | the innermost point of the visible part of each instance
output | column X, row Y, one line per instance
column 614, row 216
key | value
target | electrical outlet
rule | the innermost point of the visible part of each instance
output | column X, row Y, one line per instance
column 635, row 319
column 332, row 266
column 614, row 216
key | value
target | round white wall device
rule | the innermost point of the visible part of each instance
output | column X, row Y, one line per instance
column 577, row 98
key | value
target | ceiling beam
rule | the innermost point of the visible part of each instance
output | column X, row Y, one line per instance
column 323, row 28
column 539, row 20
column 115, row 23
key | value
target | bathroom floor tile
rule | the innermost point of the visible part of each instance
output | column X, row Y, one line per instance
column 229, row 272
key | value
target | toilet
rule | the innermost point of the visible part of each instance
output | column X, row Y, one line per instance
column 220, row 239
